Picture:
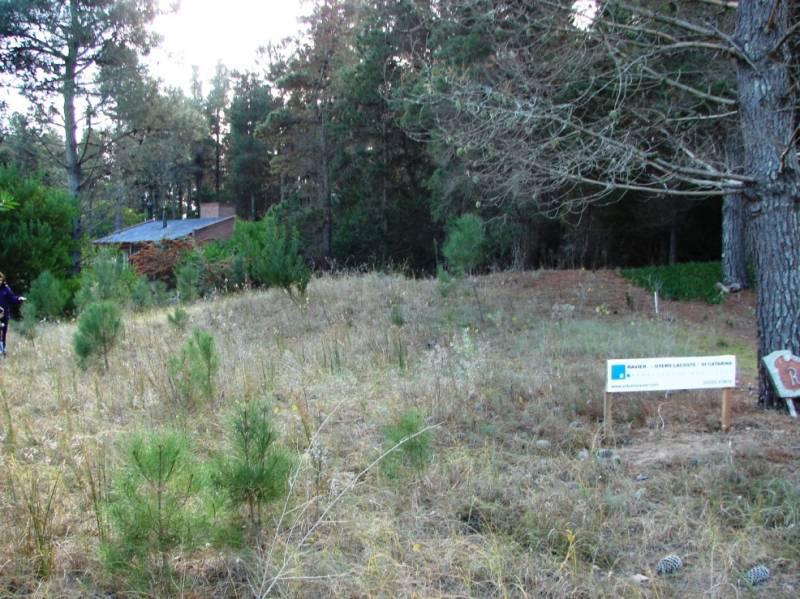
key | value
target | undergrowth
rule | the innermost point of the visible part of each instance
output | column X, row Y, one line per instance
column 686, row 281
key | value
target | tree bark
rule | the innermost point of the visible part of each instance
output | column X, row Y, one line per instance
column 325, row 189
column 384, row 191
column 766, row 107
column 72, row 163
column 734, row 236
column 734, row 223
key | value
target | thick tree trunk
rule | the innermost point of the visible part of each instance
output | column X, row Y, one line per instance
column 734, row 237
column 734, row 224
column 72, row 163
column 766, row 101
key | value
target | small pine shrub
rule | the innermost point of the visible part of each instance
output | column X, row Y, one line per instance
column 446, row 282
column 153, row 508
column 193, row 372
column 178, row 318
column 99, row 328
column 396, row 315
column 50, row 296
column 30, row 319
column 254, row 470
column 412, row 441
column 188, row 282
column 272, row 254
column 106, row 278
column 463, row 248
column 688, row 281
column 148, row 294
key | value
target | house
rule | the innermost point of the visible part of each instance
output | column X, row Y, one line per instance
column 215, row 223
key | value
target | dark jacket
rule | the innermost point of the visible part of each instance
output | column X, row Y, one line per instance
column 7, row 300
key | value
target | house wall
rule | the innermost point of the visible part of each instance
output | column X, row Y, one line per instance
column 220, row 230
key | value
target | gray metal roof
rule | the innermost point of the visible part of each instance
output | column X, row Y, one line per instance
column 154, row 230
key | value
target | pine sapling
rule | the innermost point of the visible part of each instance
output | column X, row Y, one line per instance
column 153, row 506
column 99, row 328
column 193, row 372
column 254, row 470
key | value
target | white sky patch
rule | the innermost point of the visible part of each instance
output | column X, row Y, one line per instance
column 205, row 32
column 584, row 13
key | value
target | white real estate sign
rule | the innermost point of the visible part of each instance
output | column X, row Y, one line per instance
column 671, row 374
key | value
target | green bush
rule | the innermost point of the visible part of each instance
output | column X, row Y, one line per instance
column 49, row 295
column 187, row 282
column 106, row 277
column 687, row 281
column 412, row 441
column 30, row 320
column 148, row 294
column 37, row 234
column 178, row 318
column 463, row 248
column 153, row 508
column 99, row 327
column 193, row 372
column 272, row 255
column 253, row 471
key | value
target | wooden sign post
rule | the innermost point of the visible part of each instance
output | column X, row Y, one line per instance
column 784, row 370
column 669, row 374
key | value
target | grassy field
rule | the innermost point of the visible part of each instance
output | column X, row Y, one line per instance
column 512, row 496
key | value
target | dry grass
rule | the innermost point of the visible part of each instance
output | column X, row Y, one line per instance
column 510, row 505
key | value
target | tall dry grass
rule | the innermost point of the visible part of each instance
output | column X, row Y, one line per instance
column 515, row 502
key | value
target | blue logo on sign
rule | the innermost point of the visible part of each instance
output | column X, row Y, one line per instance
column 618, row 372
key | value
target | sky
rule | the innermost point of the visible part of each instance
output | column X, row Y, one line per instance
column 205, row 32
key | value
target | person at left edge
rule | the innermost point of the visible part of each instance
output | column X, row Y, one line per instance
column 7, row 300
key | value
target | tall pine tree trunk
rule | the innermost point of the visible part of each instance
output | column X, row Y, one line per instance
column 72, row 163
column 734, row 238
column 766, row 107
column 734, row 224
column 325, row 189
column 384, row 192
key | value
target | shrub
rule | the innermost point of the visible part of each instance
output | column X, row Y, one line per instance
column 30, row 319
column 179, row 318
column 106, row 277
column 37, row 234
column 152, row 508
column 272, row 254
column 148, row 294
column 187, row 282
column 49, row 295
column 412, row 441
column 463, row 248
column 99, row 327
column 159, row 261
column 687, row 281
column 208, row 275
column 193, row 372
column 253, row 471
